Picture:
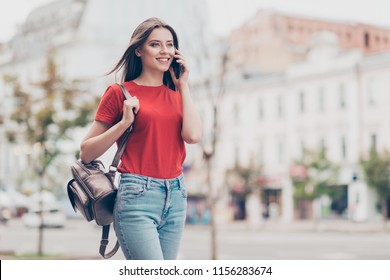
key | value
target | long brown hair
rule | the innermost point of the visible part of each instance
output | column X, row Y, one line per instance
column 132, row 63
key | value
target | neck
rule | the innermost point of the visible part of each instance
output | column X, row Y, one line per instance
column 149, row 79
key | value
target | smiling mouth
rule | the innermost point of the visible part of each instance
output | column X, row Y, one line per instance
column 163, row 60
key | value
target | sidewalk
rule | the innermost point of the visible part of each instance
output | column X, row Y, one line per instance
column 335, row 225
column 272, row 239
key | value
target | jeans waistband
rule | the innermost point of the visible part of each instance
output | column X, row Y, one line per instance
column 151, row 181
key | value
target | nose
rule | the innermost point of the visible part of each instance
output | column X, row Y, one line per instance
column 164, row 49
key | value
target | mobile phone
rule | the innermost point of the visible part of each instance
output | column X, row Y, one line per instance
column 176, row 68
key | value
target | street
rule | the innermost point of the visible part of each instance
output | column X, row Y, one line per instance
column 272, row 241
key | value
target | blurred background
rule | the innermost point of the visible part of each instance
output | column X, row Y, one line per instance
column 294, row 97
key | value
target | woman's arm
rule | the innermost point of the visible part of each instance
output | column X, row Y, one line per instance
column 102, row 136
column 192, row 126
column 99, row 139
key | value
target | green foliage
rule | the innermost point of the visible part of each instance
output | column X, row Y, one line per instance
column 44, row 115
column 11, row 136
column 84, row 113
column 376, row 169
column 245, row 177
column 22, row 103
column 320, row 175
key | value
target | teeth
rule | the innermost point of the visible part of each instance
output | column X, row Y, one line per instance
column 163, row 59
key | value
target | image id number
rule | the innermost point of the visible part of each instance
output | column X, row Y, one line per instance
column 242, row 270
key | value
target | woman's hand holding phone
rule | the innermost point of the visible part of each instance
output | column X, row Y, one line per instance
column 184, row 71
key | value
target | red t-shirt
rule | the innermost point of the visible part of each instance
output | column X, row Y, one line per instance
column 155, row 147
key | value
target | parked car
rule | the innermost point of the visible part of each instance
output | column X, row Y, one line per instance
column 53, row 217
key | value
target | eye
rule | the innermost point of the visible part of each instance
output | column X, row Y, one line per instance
column 154, row 44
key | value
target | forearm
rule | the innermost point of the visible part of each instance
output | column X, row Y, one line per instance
column 192, row 126
column 96, row 145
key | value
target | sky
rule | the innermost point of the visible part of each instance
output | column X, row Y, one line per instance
column 229, row 14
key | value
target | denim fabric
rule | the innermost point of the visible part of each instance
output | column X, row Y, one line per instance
column 149, row 216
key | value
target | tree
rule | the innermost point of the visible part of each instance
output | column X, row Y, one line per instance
column 209, row 147
column 316, row 179
column 42, row 117
column 244, row 181
column 376, row 170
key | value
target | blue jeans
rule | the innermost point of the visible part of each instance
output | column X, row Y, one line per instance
column 149, row 216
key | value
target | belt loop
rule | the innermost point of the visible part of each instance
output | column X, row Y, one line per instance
column 167, row 184
column 148, row 183
column 179, row 182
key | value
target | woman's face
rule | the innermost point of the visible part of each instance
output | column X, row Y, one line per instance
column 157, row 52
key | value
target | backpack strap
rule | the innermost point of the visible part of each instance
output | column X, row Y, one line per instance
column 114, row 165
column 104, row 243
column 111, row 173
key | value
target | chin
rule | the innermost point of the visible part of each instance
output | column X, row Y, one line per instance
column 165, row 69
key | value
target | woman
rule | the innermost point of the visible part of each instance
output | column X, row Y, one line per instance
column 150, row 208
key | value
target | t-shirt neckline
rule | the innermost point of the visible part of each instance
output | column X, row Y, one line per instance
column 146, row 86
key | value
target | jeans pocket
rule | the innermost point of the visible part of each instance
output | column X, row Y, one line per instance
column 132, row 189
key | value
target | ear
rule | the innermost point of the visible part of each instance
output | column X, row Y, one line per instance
column 137, row 52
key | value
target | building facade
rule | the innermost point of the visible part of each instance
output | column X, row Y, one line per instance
column 334, row 99
column 270, row 41
column 329, row 94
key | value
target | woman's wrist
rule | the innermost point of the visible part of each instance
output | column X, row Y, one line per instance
column 123, row 125
column 183, row 87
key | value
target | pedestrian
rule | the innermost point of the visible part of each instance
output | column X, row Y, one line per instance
column 150, row 208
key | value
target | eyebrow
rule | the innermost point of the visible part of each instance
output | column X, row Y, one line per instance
column 155, row 40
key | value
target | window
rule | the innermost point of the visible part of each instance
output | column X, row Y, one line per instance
column 322, row 144
column 371, row 93
column 343, row 148
column 261, row 109
column 280, row 151
column 303, row 149
column 348, row 35
column 302, row 102
column 280, row 106
column 342, row 96
column 366, row 40
column 321, row 100
column 261, row 153
column 236, row 155
column 373, row 143
column 236, row 113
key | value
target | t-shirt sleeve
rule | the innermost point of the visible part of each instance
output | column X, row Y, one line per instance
column 110, row 108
